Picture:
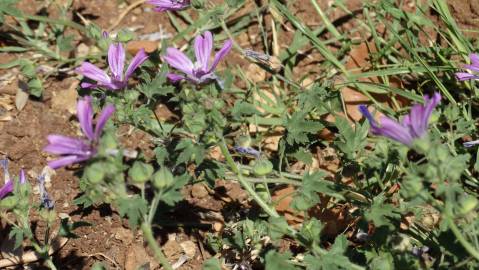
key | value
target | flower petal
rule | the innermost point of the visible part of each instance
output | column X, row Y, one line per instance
column 174, row 78
column 203, row 48
column 393, row 130
column 365, row 112
column 474, row 66
column 22, row 178
column 179, row 60
column 464, row 76
column 116, row 60
column 164, row 5
column 139, row 58
column 65, row 161
column 102, row 119
column 93, row 72
column 7, row 188
column 221, row 54
column 85, row 116
column 60, row 144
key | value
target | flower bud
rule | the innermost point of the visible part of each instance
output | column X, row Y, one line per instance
column 140, row 172
column 95, row 173
column 163, row 178
column 467, row 204
column 8, row 202
column 262, row 167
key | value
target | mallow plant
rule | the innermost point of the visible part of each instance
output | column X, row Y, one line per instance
column 401, row 191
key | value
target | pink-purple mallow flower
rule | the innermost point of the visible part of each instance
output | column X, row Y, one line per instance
column 74, row 150
column 413, row 126
column 202, row 71
column 474, row 66
column 9, row 184
column 165, row 5
column 116, row 62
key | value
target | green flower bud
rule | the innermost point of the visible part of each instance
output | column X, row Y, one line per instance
column 95, row 173
column 263, row 167
column 8, row 202
column 140, row 172
column 163, row 178
column 467, row 204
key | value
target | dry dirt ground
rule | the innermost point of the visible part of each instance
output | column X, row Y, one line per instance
column 23, row 134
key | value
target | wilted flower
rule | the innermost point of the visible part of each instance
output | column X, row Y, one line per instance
column 116, row 62
column 45, row 200
column 419, row 251
column 470, row 144
column 247, row 151
column 413, row 126
column 9, row 184
column 74, row 150
column 201, row 71
column 474, row 66
column 164, row 5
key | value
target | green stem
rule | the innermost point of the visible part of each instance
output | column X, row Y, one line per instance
column 154, row 206
column 268, row 180
column 467, row 246
column 50, row 264
column 269, row 210
column 148, row 235
column 326, row 21
column 54, row 21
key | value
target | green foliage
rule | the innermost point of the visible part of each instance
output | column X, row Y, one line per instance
column 276, row 260
column 299, row 128
column 312, row 187
column 134, row 208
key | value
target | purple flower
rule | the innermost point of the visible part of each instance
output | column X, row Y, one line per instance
column 201, row 71
column 116, row 62
column 9, row 183
column 74, row 150
column 247, row 151
column 413, row 126
column 474, row 66
column 164, row 5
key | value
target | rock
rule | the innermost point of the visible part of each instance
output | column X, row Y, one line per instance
column 136, row 256
column 82, row 50
column 66, row 100
column 21, row 99
column 135, row 46
column 124, row 235
column 172, row 249
column 255, row 73
column 199, row 191
column 189, row 248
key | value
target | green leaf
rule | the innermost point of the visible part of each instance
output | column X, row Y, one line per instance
column 172, row 194
column 298, row 128
column 380, row 211
column 313, row 184
column 66, row 228
column 134, row 208
column 275, row 260
column 189, row 151
column 18, row 234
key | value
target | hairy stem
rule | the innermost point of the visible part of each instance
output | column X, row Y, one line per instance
column 247, row 186
column 467, row 246
column 148, row 235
